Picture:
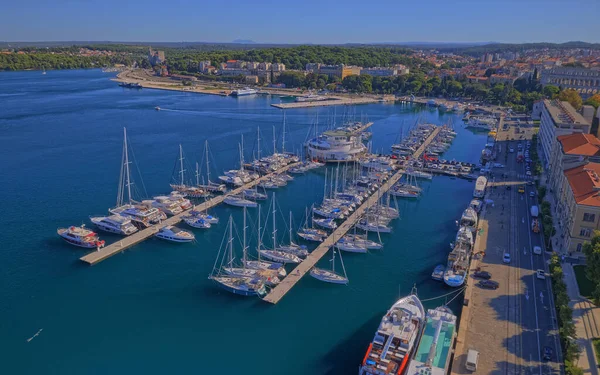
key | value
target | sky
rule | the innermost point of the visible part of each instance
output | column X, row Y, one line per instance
column 301, row 21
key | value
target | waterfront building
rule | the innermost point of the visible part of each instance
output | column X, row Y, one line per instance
column 573, row 150
column 558, row 118
column 585, row 81
column 579, row 214
column 386, row 71
column 342, row 71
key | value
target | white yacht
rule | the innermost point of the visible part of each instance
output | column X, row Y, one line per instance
column 396, row 338
column 197, row 222
column 80, row 236
column 311, row 98
column 244, row 92
column 238, row 201
column 165, row 204
column 114, row 224
column 469, row 219
column 336, row 146
column 174, row 234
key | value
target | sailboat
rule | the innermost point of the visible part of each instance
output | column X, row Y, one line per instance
column 141, row 216
column 263, row 264
column 210, row 186
column 245, row 286
column 330, row 276
column 269, row 276
column 239, row 201
column 275, row 254
column 181, row 186
column 293, row 248
column 311, row 233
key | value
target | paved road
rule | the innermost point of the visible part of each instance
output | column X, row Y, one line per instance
column 530, row 300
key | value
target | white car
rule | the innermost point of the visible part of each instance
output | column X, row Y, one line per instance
column 540, row 274
column 537, row 250
column 506, row 258
column 528, row 173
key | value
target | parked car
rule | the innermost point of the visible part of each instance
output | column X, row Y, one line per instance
column 537, row 250
column 528, row 173
column 506, row 258
column 488, row 284
column 548, row 353
column 482, row 275
column 532, row 194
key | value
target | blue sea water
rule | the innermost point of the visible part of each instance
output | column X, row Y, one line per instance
column 152, row 309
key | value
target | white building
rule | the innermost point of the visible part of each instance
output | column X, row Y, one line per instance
column 585, row 81
column 558, row 118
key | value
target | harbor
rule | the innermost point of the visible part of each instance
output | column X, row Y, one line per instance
column 168, row 281
column 288, row 283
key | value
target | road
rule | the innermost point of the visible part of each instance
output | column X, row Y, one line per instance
column 530, row 299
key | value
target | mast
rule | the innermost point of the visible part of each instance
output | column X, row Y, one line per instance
column 283, row 138
column 207, row 167
column 325, row 185
column 290, row 227
column 244, row 241
column 274, row 141
column 128, row 179
column 181, row 170
column 258, row 141
column 274, row 226
column 230, row 244
column 242, row 153
column 258, row 238
column 197, row 175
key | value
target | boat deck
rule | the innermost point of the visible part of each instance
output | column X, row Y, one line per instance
column 303, row 268
column 126, row 242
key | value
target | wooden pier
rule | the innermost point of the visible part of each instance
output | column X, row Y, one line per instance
column 293, row 277
column 126, row 242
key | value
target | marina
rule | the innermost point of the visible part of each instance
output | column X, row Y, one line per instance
column 160, row 279
column 288, row 283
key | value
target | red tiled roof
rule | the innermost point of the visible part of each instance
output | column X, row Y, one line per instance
column 580, row 144
column 585, row 184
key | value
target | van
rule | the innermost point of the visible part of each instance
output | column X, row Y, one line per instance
column 472, row 359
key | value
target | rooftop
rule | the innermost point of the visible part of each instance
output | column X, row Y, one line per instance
column 580, row 144
column 585, row 184
column 564, row 113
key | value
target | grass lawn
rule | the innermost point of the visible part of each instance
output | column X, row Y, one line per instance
column 596, row 343
column 585, row 286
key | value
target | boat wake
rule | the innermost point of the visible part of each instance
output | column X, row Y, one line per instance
column 36, row 335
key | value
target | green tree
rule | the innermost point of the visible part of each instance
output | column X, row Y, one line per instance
column 550, row 91
column 571, row 96
column 592, row 269
column 593, row 101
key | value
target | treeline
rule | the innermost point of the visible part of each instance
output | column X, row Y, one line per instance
column 505, row 47
column 295, row 57
column 27, row 61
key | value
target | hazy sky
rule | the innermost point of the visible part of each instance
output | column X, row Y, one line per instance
column 301, row 21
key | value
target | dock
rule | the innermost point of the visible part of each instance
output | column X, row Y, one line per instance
column 326, row 103
column 305, row 266
column 119, row 246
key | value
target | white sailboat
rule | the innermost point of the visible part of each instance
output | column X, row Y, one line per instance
column 210, row 186
column 293, row 248
column 263, row 264
column 239, row 201
column 330, row 276
column 275, row 254
column 181, row 186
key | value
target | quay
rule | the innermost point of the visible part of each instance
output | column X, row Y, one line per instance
column 326, row 103
column 305, row 266
column 117, row 247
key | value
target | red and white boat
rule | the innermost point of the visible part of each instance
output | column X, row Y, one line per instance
column 80, row 236
column 396, row 338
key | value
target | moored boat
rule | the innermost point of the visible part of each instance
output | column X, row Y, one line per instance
column 174, row 234
column 116, row 224
column 81, row 237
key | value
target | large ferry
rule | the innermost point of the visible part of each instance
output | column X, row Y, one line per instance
column 480, row 185
column 243, row 92
column 338, row 145
column 396, row 338
column 433, row 354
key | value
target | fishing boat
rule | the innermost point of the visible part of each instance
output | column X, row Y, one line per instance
column 438, row 272
column 330, row 276
column 114, row 224
column 469, row 219
column 464, row 235
column 80, row 236
column 396, row 339
column 238, row 201
column 458, row 265
column 435, row 348
column 174, row 234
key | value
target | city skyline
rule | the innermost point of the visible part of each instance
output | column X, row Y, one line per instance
column 313, row 22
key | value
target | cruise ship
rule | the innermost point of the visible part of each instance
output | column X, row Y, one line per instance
column 338, row 145
column 396, row 338
column 434, row 351
column 243, row 92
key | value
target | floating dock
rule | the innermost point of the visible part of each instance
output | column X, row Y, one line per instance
column 325, row 103
column 305, row 266
column 117, row 247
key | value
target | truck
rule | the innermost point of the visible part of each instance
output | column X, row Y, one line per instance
column 534, row 211
column 520, row 156
column 535, row 225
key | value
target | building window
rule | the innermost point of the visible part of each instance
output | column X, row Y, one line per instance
column 590, row 218
column 579, row 246
column 585, row 232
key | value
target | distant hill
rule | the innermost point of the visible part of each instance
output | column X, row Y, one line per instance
column 244, row 41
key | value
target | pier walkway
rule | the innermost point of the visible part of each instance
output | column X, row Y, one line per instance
column 293, row 277
column 126, row 242
column 325, row 103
